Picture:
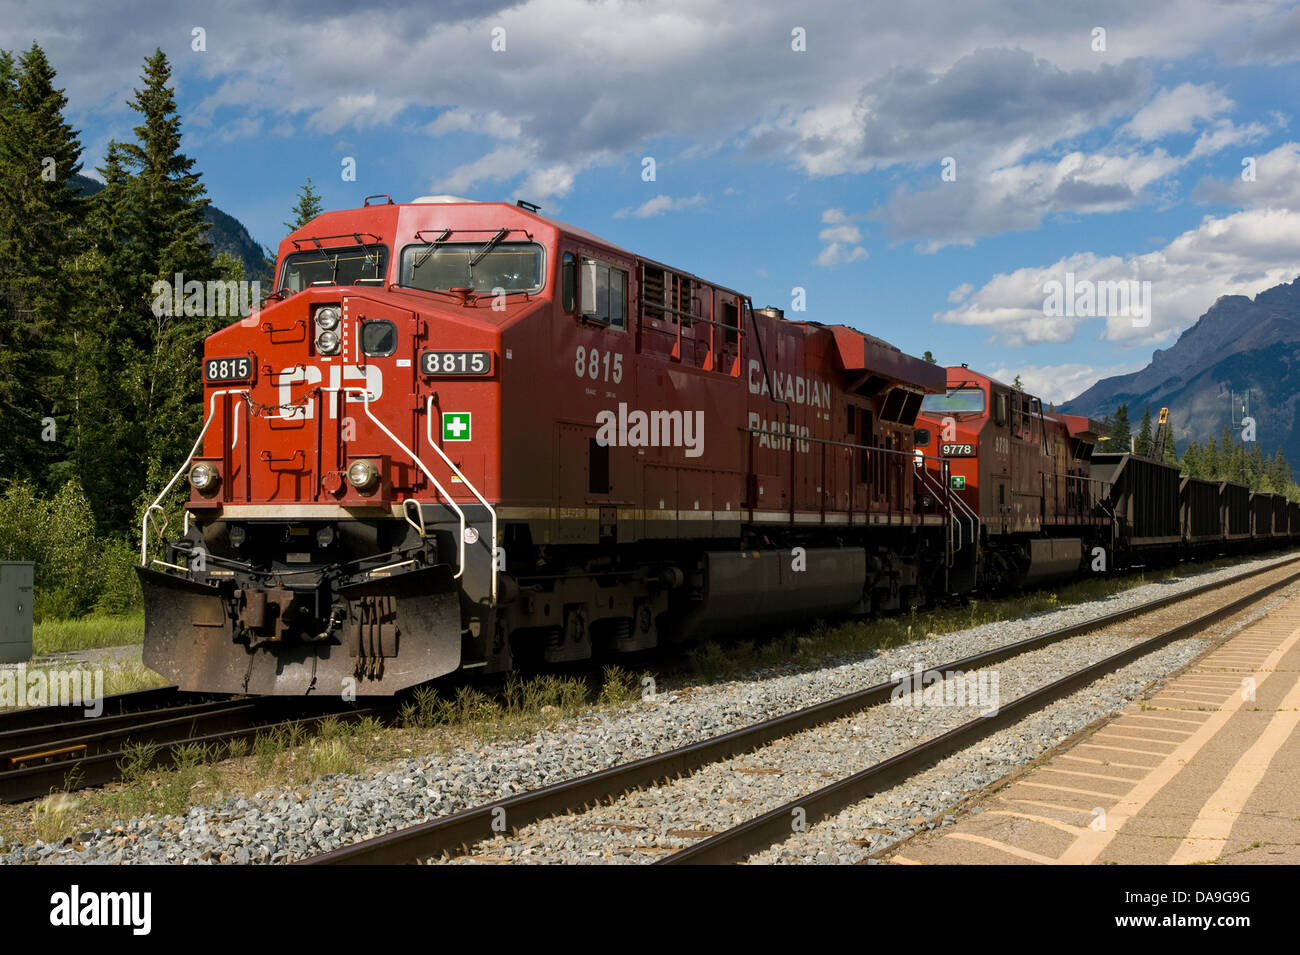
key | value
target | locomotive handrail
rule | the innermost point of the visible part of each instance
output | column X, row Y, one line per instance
column 365, row 394
column 928, row 479
column 157, row 505
column 428, row 425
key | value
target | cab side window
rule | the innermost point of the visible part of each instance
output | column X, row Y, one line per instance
column 604, row 293
column 569, row 283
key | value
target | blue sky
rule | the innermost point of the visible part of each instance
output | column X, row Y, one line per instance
column 1114, row 155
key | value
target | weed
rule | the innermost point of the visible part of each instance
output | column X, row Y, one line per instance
column 53, row 818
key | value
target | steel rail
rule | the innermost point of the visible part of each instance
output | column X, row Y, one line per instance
column 739, row 842
column 448, row 834
column 69, row 756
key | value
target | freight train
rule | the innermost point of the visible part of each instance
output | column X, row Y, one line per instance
column 464, row 435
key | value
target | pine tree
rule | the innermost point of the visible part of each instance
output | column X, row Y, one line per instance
column 1017, row 384
column 1279, row 471
column 1192, row 461
column 1121, row 432
column 1237, row 470
column 1142, row 448
column 1256, row 468
column 167, row 203
column 1212, row 466
column 309, row 207
column 39, row 214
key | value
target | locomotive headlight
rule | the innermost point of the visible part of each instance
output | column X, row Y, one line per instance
column 203, row 478
column 327, row 343
column 363, row 475
column 327, row 318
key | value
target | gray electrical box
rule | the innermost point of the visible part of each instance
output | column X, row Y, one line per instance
column 15, row 610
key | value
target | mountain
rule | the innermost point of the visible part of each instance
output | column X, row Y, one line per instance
column 1240, row 345
column 227, row 234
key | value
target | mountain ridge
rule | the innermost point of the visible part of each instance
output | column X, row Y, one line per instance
column 1242, row 345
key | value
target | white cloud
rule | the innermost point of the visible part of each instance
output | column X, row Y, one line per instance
column 1000, row 81
column 490, row 123
column 1239, row 254
column 356, row 110
column 840, row 254
column 659, row 205
column 1060, row 383
column 1276, row 183
column 989, row 201
column 1179, row 110
column 960, row 292
column 841, row 237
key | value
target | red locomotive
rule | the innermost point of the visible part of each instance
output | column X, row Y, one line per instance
column 1023, row 477
column 466, row 435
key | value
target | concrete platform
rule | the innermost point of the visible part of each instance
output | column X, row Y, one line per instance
column 1205, row 770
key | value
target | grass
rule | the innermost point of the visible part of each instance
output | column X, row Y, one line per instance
column 87, row 633
column 54, row 818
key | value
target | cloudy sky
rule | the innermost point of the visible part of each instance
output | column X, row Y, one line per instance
column 924, row 170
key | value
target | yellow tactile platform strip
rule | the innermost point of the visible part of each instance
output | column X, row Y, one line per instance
column 1205, row 770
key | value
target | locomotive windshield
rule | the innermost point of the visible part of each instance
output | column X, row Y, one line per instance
column 481, row 266
column 955, row 402
column 342, row 266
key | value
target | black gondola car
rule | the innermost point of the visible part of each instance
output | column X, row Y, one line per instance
column 1144, row 497
column 1261, row 515
column 1201, row 514
column 1234, row 500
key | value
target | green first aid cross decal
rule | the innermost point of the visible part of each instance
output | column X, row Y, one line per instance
column 958, row 482
column 455, row 425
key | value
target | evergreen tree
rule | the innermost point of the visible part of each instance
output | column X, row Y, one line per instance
column 1279, row 472
column 1017, row 385
column 308, row 207
column 1191, row 463
column 1121, row 432
column 1212, row 466
column 1256, row 468
column 167, row 203
column 1143, row 447
column 39, row 214
column 1236, row 470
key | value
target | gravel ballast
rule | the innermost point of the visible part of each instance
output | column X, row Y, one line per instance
column 278, row 825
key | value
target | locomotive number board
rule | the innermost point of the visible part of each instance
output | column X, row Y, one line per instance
column 957, row 450
column 475, row 364
column 228, row 369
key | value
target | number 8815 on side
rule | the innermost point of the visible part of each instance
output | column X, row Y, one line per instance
column 476, row 363
column 228, row 369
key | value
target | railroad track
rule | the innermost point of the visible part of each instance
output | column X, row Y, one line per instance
column 455, row 833
column 60, row 748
